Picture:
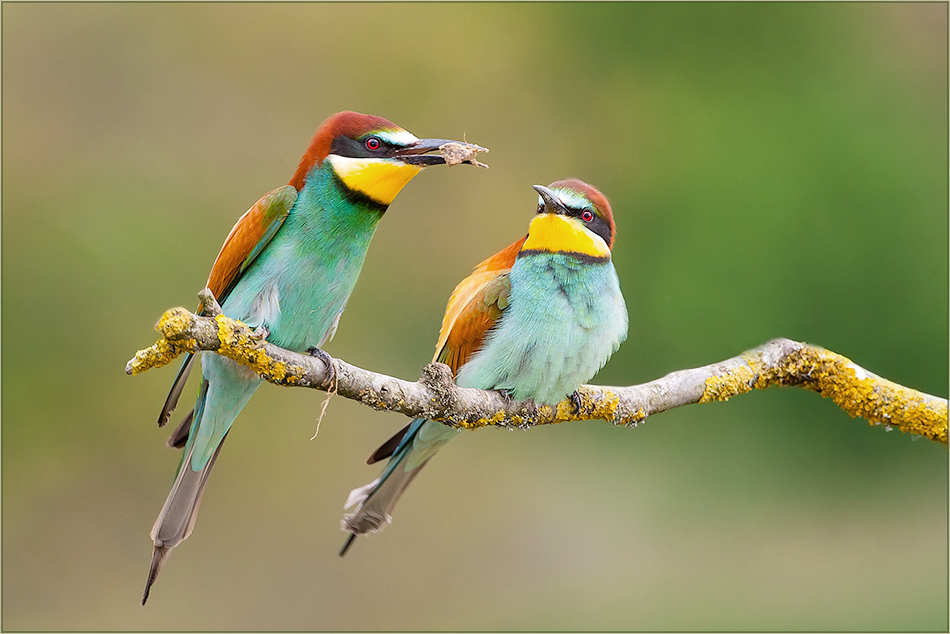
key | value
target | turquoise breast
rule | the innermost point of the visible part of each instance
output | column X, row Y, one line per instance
column 299, row 285
column 564, row 319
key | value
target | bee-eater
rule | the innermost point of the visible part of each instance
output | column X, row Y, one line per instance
column 535, row 320
column 287, row 267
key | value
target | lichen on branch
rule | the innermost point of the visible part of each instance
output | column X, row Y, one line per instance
column 436, row 397
column 183, row 331
column 855, row 390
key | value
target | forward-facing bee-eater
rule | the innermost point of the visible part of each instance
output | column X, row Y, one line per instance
column 535, row 320
column 288, row 267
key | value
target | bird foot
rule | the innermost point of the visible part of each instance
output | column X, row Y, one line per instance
column 328, row 361
column 576, row 401
column 259, row 335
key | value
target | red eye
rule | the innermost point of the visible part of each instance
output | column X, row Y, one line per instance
column 587, row 216
column 373, row 143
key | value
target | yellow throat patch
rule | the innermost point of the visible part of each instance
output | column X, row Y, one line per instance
column 556, row 233
column 380, row 179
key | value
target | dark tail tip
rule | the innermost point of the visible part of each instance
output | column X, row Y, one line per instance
column 158, row 558
column 349, row 542
column 148, row 586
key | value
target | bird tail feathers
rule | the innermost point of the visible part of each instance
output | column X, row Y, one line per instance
column 177, row 518
column 374, row 502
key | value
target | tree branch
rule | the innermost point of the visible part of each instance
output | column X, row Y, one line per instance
column 436, row 397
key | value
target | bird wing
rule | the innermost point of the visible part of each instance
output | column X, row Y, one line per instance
column 250, row 234
column 474, row 307
column 248, row 238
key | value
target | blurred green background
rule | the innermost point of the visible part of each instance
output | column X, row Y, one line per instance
column 775, row 170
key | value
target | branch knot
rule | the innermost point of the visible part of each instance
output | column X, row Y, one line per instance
column 437, row 378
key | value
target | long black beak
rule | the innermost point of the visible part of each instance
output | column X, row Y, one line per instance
column 416, row 154
column 552, row 204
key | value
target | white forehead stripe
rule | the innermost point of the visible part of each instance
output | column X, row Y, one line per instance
column 570, row 199
column 398, row 137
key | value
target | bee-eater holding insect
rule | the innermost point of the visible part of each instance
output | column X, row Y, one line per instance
column 535, row 320
column 287, row 269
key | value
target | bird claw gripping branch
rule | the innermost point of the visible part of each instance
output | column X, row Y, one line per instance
column 259, row 335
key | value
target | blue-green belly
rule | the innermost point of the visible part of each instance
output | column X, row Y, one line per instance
column 564, row 320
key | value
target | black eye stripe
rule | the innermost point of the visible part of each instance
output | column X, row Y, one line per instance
column 358, row 148
column 580, row 211
column 599, row 226
column 596, row 224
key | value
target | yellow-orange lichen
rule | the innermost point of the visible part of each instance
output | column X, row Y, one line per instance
column 593, row 407
column 239, row 344
column 863, row 394
column 496, row 418
column 603, row 408
column 723, row 387
column 853, row 389
column 174, row 322
column 160, row 353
